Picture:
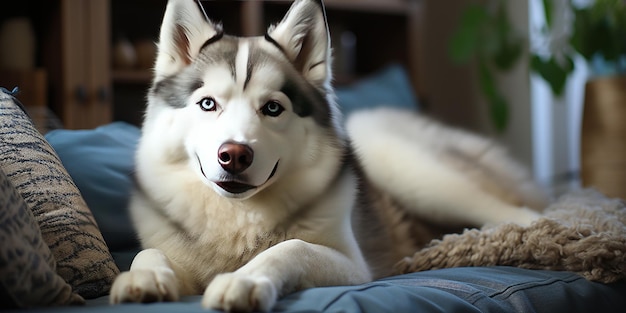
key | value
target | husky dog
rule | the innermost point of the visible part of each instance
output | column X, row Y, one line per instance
column 249, row 188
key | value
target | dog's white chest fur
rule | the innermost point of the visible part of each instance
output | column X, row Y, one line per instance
column 207, row 238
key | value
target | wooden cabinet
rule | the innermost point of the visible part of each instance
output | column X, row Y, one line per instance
column 80, row 63
column 73, row 49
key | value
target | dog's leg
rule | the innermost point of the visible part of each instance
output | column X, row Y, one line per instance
column 401, row 155
column 281, row 269
column 151, row 278
column 433, row 190
column 453, row 199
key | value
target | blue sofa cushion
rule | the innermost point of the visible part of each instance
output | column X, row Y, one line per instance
column 390, row 87
column 477, row 289
column 101, row 163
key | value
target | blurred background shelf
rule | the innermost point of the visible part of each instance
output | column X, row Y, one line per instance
column 77, row 44
column 137, row 76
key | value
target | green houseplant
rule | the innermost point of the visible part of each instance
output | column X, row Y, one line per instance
column 486, row 35
column 597, row 30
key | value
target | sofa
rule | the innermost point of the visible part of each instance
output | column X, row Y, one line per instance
column 66, row 233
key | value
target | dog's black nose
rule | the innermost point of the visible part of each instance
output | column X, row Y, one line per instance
column 234, row 157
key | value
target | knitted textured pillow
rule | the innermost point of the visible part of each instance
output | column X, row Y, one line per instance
column 67, row 225
column 27, row 276
column 583, row 232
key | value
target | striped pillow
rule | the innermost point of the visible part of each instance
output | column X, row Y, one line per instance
column 66, row 223
column 27, row 273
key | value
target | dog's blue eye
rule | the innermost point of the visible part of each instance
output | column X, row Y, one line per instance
column 207, row 104
column 272, row 108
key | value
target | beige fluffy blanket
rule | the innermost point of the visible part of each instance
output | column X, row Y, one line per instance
column 582, row 232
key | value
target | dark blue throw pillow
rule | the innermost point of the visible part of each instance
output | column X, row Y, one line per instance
column 101, row 163
column 390, row 87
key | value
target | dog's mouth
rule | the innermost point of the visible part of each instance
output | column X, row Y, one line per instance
column 234, row 186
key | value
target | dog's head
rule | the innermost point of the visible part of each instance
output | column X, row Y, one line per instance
column 243, row 112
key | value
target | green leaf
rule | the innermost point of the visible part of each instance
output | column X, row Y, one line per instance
column 466, row 41
column 553, row 73
column 582, row 33
column 499, row 111
column 508, row 54
column 498, row 107
column 485, row 78
column 547, row 8
column 601, row 30
column 508, row 42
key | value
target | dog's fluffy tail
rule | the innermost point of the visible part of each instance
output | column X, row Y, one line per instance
column 440, row 172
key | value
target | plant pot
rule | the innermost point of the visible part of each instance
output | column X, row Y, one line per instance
column 603, row 146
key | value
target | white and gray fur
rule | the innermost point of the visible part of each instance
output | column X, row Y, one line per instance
column 307, row 205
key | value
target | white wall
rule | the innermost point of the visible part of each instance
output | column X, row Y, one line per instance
column 556, row 122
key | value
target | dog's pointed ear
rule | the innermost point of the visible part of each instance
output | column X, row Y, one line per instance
column 184, row 31
column 304, row 38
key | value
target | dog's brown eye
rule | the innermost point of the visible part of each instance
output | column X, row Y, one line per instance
column 272, row 108
column 207, row 104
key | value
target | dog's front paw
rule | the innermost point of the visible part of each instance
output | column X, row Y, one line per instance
column 241, row 293
column 145, row 285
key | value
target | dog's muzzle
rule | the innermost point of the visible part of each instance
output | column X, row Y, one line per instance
column 234, row 160
column 237, row 187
